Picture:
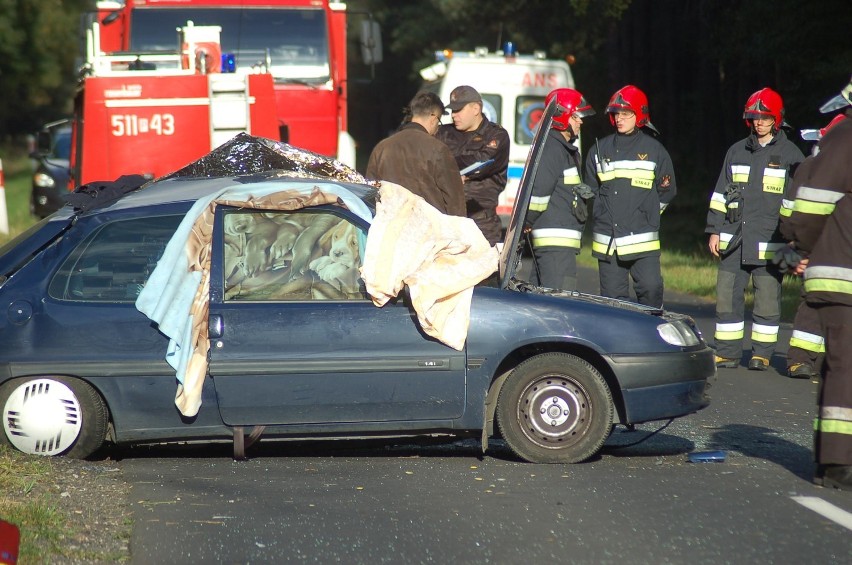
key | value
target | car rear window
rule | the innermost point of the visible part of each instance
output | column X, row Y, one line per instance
column 114, row 262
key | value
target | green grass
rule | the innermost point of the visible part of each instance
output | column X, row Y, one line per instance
column 16, row 168
column 26, row 502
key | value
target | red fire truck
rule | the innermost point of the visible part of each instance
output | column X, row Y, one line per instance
column 192, row 73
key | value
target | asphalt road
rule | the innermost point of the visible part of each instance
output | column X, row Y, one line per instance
column 437, row 502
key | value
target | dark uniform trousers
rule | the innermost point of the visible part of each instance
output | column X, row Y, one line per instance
column 807, row 345
column 833, row 426
column 555, row 267
column 731, row 282
column 645, row 272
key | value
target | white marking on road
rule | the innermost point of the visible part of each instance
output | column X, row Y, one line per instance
column 826, row 509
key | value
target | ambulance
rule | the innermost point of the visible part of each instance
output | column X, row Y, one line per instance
column 513, row 87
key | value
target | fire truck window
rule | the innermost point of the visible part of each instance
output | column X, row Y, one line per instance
column 113, row 263
column 292, row 256
column 528, row 111
column 296, row 39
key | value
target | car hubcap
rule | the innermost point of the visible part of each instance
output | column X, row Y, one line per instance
column 554, row 411
column 42, row 417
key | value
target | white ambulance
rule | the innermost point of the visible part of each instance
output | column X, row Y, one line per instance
column 513, row 88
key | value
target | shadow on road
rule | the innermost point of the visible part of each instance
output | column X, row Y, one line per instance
column 764, row 443
column 352, row 447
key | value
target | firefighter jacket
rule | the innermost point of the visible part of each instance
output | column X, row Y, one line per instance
column 746, row 202
column 416, row 160
column 821, row 221
column 633, row 180
column 802, row 172
column 551, row 211
column 488, row 141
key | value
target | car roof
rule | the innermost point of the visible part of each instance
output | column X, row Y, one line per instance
column 190, row 189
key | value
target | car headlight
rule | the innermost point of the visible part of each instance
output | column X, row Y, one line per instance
column 43, row 180
column 678, row 333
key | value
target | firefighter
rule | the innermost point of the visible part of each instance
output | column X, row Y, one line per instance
column 472, row 138
column 743, row 227
column 807, row 346
column 821, row 223
column 558, row 208
column 633, row 181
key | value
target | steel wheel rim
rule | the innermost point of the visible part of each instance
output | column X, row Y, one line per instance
column 554, row 411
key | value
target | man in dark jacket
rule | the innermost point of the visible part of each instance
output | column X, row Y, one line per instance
column 472, row 138
column 558, row 208
column 633, row 179
column 413, row 158
column 743, row 226
column 821, row 223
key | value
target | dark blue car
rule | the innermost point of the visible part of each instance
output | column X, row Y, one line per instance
column 50, row 179
column 551, row 372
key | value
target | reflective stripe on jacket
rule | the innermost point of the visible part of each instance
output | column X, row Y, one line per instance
column 633, row 180
column 551, row 212
column 760, row 174
column 821, row 221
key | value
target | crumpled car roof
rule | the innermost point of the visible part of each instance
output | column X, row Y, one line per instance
column 246, row 155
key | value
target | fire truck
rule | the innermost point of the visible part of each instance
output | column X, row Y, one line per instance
column 513, row 87
column 166, row 81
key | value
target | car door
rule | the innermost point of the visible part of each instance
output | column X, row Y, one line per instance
column 295, row 338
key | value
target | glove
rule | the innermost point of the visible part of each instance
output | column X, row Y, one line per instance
column 584, row 191
column 733, row 203
column 579, row 208
column 786, row 259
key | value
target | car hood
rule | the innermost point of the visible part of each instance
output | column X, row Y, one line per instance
column 510, row 256
column 518, row 285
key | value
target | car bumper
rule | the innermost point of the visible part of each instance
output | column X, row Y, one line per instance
column 658, row 386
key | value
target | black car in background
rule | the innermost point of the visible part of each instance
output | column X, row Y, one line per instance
column 50, row 177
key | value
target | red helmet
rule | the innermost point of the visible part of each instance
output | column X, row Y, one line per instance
column 836, row 120
column 765, row 103
column 633, row 99
column 573, row 102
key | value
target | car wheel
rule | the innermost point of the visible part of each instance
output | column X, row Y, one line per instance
column 555, row 408
column 52, row 416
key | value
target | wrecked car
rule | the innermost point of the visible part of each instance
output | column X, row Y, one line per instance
column 234, row 300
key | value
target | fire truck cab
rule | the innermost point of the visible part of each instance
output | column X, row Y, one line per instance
column 300, row 43
column 152, row 112
column 513, row 88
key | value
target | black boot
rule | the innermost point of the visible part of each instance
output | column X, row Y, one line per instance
column 837, row 476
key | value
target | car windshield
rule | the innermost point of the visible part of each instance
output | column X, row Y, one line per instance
column 296, row 39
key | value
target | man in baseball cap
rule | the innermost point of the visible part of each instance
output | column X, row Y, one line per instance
column 463, row 95
column 473, row 139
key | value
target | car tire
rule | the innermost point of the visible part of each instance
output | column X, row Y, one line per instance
column 555, row 408
column 53, row 416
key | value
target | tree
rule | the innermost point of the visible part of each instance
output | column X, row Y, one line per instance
column 38, row 46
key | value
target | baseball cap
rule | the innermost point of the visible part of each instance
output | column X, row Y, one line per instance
column 462, row 95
